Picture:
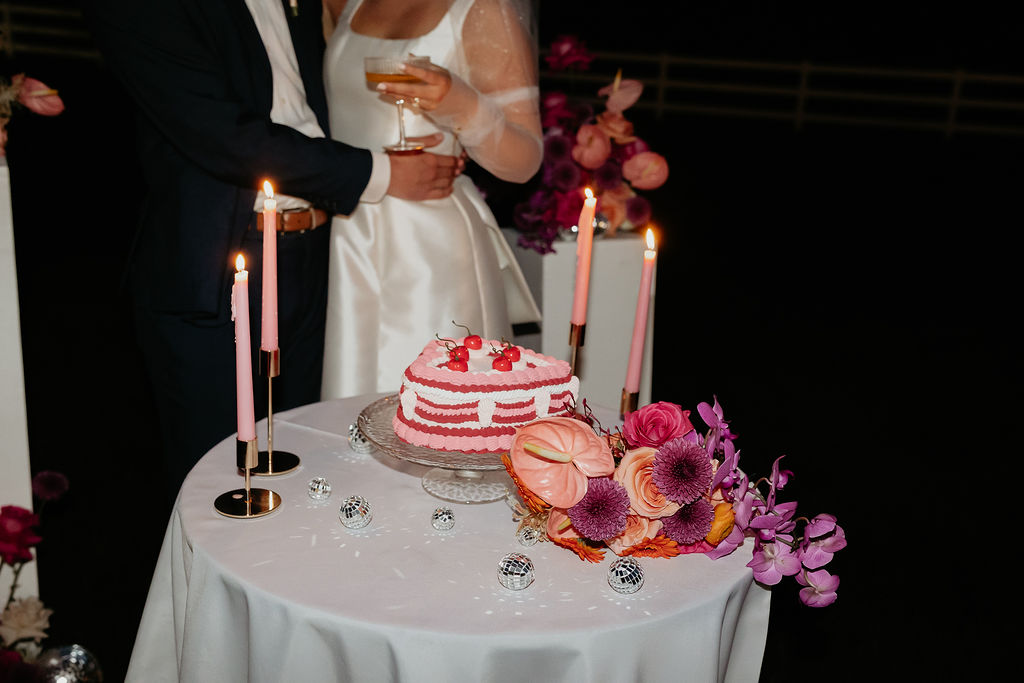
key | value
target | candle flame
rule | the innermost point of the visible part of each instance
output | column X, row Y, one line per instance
column 268, row 189
column 586, row 191
column 240, row 263
column 650, row 239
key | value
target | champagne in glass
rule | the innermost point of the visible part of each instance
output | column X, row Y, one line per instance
column 387, row 70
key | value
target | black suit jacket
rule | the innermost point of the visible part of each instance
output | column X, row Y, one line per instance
column 200, row 75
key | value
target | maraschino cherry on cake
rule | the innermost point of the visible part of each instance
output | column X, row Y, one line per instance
column 470, row 395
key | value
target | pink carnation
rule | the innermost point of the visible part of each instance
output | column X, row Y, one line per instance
column 646, row 170
column 655, row 424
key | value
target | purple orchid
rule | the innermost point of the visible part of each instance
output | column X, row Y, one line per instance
column 822, row 539
column 772, row 561
column 820, row 588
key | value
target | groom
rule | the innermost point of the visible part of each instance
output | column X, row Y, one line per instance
column 229, row 93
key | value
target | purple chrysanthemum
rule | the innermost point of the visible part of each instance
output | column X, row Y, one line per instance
column 564, row 176
column 601, row 514
column 638, row 210
column 558, row 148
column 691, row 523
column 49, row 485
column 608, row 175
column 682, row 471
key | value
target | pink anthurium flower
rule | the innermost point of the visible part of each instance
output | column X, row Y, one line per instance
column 38, row 97
column 555, row 456
column 646, row 170
column 593, row 146
column 622, row 93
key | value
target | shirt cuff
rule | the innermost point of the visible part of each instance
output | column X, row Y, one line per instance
column 380, row 178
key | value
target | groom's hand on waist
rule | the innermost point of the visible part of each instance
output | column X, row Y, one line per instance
column 426, row 175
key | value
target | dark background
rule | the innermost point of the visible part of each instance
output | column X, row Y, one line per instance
column 847, row 291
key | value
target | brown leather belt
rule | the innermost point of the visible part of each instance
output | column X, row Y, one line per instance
column 296, row 220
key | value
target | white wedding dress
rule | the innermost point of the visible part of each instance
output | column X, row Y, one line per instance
column 402, row 271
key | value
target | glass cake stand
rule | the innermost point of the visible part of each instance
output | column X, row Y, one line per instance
column 457, row 477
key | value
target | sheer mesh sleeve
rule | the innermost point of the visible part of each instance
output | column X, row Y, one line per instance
column 493, row 105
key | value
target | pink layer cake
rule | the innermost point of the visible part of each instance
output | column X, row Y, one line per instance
column 477, row 410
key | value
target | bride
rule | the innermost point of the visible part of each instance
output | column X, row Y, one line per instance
column 403, row 271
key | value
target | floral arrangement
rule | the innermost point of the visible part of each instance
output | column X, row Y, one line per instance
column 583, row 149
column 658, row 488
column 29, row 93
column 23, row 622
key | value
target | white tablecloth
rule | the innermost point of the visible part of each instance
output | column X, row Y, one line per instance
column 295, row 596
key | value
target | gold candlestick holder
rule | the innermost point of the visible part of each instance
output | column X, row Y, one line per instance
column 247, row 503
column 271, row 462
column 576, row 335
column 628, row 403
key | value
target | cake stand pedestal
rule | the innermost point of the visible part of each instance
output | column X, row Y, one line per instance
column 455, row 477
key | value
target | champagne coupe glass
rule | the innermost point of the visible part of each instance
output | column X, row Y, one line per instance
column 387, row 70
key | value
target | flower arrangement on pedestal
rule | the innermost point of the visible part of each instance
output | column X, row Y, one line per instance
column 23, row 621
column 29, row 93
column 583, row 149
column 659, row 488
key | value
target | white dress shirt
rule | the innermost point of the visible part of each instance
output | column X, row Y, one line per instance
column 290, row 107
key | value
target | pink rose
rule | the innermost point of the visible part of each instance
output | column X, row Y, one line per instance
column 16, row 534
column 646, row 170
column 38, row 97
column 616, row 127
column 634, row 472
column 622, row 93
column 593, row 146
column 555, row 456
column 638, row 528
column 656, row 424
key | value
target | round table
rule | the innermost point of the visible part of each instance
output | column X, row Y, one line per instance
column 296, row 596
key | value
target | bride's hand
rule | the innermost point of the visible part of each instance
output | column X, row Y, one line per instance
column 434, row 83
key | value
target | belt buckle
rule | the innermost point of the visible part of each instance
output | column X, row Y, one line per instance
column 312, row 218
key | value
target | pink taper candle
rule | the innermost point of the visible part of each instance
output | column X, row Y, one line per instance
column 243, row 352
column 584, row 247
column 268, row 342
column 636, row 346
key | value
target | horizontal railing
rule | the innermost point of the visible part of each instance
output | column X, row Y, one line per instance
column 945, row 101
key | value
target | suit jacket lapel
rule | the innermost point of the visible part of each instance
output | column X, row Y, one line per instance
column 308, row 41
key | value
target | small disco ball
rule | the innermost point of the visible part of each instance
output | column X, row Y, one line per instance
column 355, row 512
column 625, row 575
column 443, row 519
column 357, row 441
column 528, row 535
column 69, row 664
column 515, row 571
column 319, row 489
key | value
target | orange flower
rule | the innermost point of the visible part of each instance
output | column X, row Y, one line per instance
column 583, row 550
column 634, row 472
column 533, row 503
column 659, row 546
column 722, row 524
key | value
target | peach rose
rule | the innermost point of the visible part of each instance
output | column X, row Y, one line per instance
column 638, row 528
column 646, row 170
column 592, row 148
column 634, row 472
column 616, row 127
column 555, row 456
